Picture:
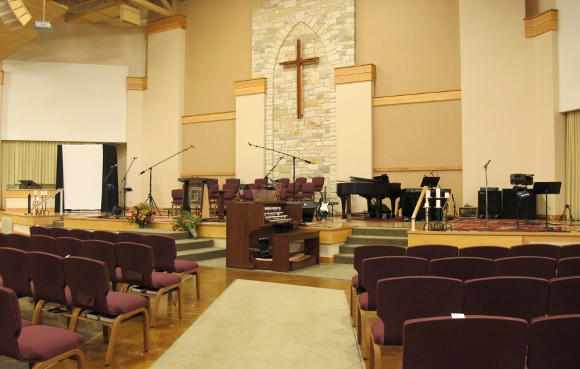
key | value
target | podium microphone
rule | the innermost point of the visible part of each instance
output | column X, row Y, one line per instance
column 485, row 166
column 113, row 166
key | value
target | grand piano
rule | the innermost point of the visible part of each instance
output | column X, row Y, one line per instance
column 373, row 190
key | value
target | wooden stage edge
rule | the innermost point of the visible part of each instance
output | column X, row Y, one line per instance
column 479, row 238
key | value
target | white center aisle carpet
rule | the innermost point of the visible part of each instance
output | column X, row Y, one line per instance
column 269, row 325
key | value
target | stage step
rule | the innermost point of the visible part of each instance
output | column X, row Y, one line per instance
column 201, row 254
column 369, row 236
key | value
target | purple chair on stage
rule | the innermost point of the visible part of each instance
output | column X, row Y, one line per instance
column 463, row 268
column 517, row 297
column 472, row 342
column 38, row 345
column 526, row 266
column 404, row 298
column 431, row 252
column 564, row 296
column 488, row 252
column 554, row 342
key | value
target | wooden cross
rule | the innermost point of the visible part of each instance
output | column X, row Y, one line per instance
column 298, row 63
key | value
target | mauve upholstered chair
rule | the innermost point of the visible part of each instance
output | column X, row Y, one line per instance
column 104, row 236
column 17, row 241
column 38, row 345
column 554, row 342
column 13, row 271
column 89, row 288
column 473, row 342
column 81, row 234
column 137, row 263
column 306, row 191
column 517, row 297
column 177, row 200
column 36, row 230
column 165, row 254
column 47, row 281
column 569, row 267
column 365, row 252
column 42, row 243
column 67, row 246
column 130, row 237
column 431, row 252
column 380, row 268
column 463, row 268
column 488, row 252
column 564, row 296
column 526, row 266
column 570, row 250
column 103, row 251
column 537, row 249
column 3, row 242
column 57, row 232
column 404, row 298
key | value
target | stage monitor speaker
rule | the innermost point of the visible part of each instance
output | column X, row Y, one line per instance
column 307, row 209
column 510, row 205
column 494, row 208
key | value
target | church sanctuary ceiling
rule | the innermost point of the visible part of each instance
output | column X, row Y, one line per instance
column 21, row 29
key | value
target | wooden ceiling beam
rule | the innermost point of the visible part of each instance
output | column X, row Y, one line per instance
column 154, row 8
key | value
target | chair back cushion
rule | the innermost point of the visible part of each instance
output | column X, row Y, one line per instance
column 34, row 230
column 488, row 252
column 104, row 236
column 42, row 243
column 164, row 252
column 130, row 237
column 526, row 266
column 569, row 267
column 564, row 296
column 17, row 241
column 570, row 250
column 81, row 234
column 88, row 283
column 57, row 232
column 136, row 263
column 68, row 246
column 472, row 342
column 431, row 252
column 517, row 297
column 554, row 342
column 463, row 268
column 13, row 271
column 47, row 277
column 537, row 249
column 103, row 251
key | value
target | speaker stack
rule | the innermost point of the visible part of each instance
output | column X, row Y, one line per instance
column 494, row 198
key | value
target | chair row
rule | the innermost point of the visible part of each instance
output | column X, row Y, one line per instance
column 164, row 250
column 491, row 342
column 404, row 298
column 81, row 284
column 81, row 234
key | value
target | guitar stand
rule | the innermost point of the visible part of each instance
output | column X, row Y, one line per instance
column 567, row 208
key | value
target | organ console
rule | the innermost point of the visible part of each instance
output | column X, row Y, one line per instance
column 254, row 230
column 373, row 190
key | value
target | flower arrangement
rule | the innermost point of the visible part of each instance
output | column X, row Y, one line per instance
column 142, row 214
column 186, row 222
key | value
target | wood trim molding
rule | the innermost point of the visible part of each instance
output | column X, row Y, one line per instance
column 417, row 98
column 137, row 83
column 452, row 168
column 357, row 73
column 250, row 87
column 204, row 118
column 209, row 174
column 1, row 77
column 541, row 23
column 166, row 24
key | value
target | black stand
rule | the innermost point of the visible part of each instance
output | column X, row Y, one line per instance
column 29, row 183
column 108, row 188
column 567, row 207
column 547, row 188
column 293, row 161
column 267, row 178
column 126, row 189
column 486, row 228
column 150, row 169
column 428, row 182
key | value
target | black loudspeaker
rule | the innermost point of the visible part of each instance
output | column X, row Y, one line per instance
column 494, row 208
column 307, row 209
column 511, row 205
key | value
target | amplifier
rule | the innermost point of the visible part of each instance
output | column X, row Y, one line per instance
column 307, row 209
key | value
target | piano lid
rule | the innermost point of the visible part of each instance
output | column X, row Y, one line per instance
column 359, row 179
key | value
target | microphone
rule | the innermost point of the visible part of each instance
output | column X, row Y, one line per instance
column 249, row 143
column 113, row 166
column 190, row 145
column 485, row 166
column 307, row 162
column 134, row 158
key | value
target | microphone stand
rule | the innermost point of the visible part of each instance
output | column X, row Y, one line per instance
column 286, row 154
column 125, row 188
column 486, row 228
column 150, row 169
column 109, row 187
column 275, row 165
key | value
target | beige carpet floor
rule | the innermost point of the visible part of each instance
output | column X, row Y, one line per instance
column 269, row 325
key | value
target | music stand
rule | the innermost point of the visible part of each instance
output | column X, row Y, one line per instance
column 430, row 181
column 547, row 188
column 29, row 183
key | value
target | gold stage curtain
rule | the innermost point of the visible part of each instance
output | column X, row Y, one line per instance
column 29, row 160
column 573, row 162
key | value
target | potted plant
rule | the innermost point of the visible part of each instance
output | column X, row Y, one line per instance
column 186, row 222
column 142, row 214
